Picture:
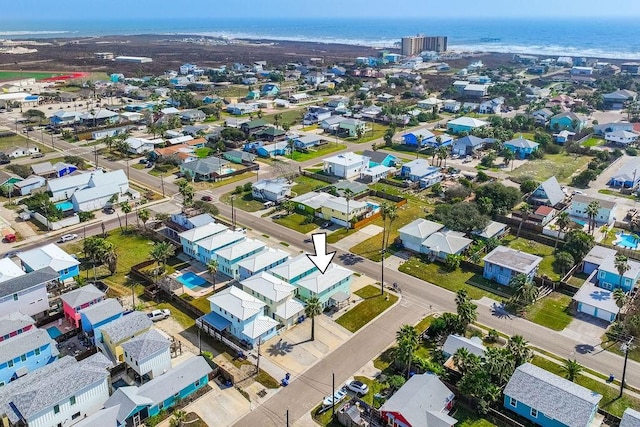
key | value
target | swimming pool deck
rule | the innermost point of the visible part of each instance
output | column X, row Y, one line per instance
column 199, row 269
column 626, row 245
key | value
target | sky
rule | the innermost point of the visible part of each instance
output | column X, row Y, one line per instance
column 39, row 10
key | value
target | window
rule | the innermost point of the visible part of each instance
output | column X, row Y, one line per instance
column 76, row 415
column 534, row 413
column 56, row 409
column 176, row 395
column 161, row 406
column 23, row 357
column 37, row 352
column 72, row 400
column 15, row 297
column 10, row 363
column 197, row 383
column 513, row 402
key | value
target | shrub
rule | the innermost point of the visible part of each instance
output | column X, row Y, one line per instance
column 238, row 190
column 247, row 186
column 632, row 151
column 482, row 176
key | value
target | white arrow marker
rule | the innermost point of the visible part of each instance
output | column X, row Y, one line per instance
column 321, row 259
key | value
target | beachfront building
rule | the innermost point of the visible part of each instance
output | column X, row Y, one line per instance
column 190, row 237
column 100, row 314
column 278, row 295
column 229, row 257
column 262, row 261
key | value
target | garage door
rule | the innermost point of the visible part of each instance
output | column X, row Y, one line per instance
column 588, row 309
column 605, row 315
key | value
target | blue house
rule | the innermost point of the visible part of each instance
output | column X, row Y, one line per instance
column 206, row 249
column 377, row 158
column 549, row 400
column 464, row 124
column 270, row 89
column 419, row 169
column 23, row 347
column 63, row 169
column 338, row 71
column 521, row 147
column 236, row 312
column 418, row 137
column 135, row 404
column 502, row 264
column 294, row 269
column 50, row 256
column 609, row 278
column 628, row 176
column 100, row 314
column 193, row 235
column 281, row 148
column 567, row 121
column 306, row 142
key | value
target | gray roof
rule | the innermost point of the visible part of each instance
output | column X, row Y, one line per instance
column 449, row 242
column 146, row 345
column 493, row 228
column 14, row 321
column 24, row 343
column 43, row 168
column 51, row 385
column 628, row 172
column 159, row 388
column 127, row 326
column 82, row 295
column 630, row 418
column 71, row 182
column 27, row 281
column 606, row 204
column 421, row 395
column 455, row 342
column 553, row 190
column 102, row 310
column 521, row 143
column 205, row 166
column 376, row 156
column 512, row 259
column 293, row 267
column 420, row 228
column 596, row 297
column 554, row 396
column 598, row 254
column 103, row 418
column 469, row 141
column 263, row 259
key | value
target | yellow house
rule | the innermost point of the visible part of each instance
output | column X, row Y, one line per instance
column 114, row 334
column 341, row 211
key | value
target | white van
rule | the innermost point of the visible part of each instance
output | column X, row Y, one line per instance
column 268, row 205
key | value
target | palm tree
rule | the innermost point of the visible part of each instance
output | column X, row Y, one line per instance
column 109, row 141
column 443, row 153
column 348, row 195
column 389, row 213
column 519, row 350
column 126, row 209
column 407, row 333
column 620, row 297
column 571, row 369
column 212, row 269
column 404, row 354
column 466, row 309
column 161, row 252
column 563, row 222
column 144, row 214
column 464, row 360
column 313, row 309
column 508, row 157
column 277, row 118
column 526, row 292
column 525, row 211
column 622, row 265
column 110, row 257
column 592, row 212
column 498, row 364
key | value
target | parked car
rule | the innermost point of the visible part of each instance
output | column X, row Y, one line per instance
column 68, row 238
column 206, row 198
column 358, row 387
column 143, row 161
column 149, row 165
column 37, row 155
column 326, row 224
column 335, row 399
column 4, row 160
column 156, row 315
column 241, row 230
column 10, row 238
column 108, row 210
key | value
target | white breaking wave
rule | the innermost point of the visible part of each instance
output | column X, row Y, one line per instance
column 28, row 33
column 297, row 38
column 545, row 50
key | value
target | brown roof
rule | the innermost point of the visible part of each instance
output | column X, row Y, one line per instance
column 544, row 210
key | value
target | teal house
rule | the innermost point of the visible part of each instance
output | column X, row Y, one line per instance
column 521, row 147
column 294, row 269
column 548, row 400
column 568, row 121
column 270, row 89
column 377, row 158
column 609, row 278
column 135, row 404
column 331, row 288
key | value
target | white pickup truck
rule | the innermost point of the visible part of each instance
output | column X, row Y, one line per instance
column 156, row 315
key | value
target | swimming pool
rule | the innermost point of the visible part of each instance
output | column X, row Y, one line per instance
column 373, row 206
column 227, row 171
column 53, row 332
column 64, row 206
column 627, row 241
column 192, row 280
column 580, row 222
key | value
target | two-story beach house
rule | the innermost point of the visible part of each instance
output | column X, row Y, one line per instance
column 521, row 147
column 580, row 203
column 413, row 234
column 52, row 256
column 119, row 331
column 148, row 354
column 347, row 165
column 502, row 264
column 262, row 261
column 294, row 269
column 229, row 257
column 78, row 299
column 207, row 248
column 98, row 314
column 278, row 296
column 192, row 236
column 609, row 277
column 271, row 190
column 331, row 288
column 27, row 293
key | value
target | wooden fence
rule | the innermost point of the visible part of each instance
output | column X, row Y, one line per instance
column 321, row 177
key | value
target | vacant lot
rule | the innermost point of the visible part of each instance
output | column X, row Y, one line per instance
column 19, row 75
column 593, row 142
column 318, row 152
column 374, row 303
column 9, row 142
column 562, row 165
column 551, row 311
column 305, row 184
column 296, row 222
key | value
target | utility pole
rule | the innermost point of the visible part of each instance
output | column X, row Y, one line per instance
column 199, row 342
column 95, row 154
column 382, row 270
column 162, row 184
column 233, row 212
column 625, row 347
column 333, row 394
column 287, row 417
column 258, row 362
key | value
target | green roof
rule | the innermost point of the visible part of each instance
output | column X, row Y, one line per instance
column 253, row 124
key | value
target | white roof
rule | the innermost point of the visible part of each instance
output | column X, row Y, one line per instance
column 259, row 326
column 48, row 256
column 118, row 177
column 68, row 182
column 95, row 193
column 9, row 270
column 263, row 259
column 347, row 159
column 237, row 302
column 220, row 240
column 420, row 228
column 449, row 242
column 318, row 282
column 289, row 308
column 269, row 286
column 468, row 121
column 239, row 249
column 294, row 267
column 199, row 233
column 455, row 342
column 630, row 418
column 313, row 199
column 512, row 259
column 597, row 297
column 340, row 204
column 180, row 139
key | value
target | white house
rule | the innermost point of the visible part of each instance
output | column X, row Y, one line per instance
column 413, row 234
column 148, row 354
column 229, row 256
column 100, row 189
column 263, row 260
column 443, row 243
column 61, row 393
column 27, row 293
column 63, row 188
column 621, row 137
column 580, row 203
column 9, row 270
column 272, row 190
column 347, row 165
column 141, row 145
column 277, row 294
column 190, row 237
column 21, row 151
column 50, row 255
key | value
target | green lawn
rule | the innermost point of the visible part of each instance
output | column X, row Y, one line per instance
column 290, row 116
column 376, row 133
column 609, row 402
column 551, row 311
column 562, row 165
column 322, row 151
column 616, row 193
column 244, row 201
column 375, row 387
column 593, row 142
column 203, row 152
column 535, row 248
column 467, row 418
column 424, row 324
column 164, row 172
column 452, row 280
column 296, row 221
column 367, row 310
column 8, row 142
column 209, row 185
column 305, row 184
column 339, row 235
column 370, row 248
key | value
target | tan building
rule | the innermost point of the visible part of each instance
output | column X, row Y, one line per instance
column 413, row 45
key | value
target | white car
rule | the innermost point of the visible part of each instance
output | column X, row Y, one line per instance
column 358, row 387
column 68, row 238
column 335, row 399
column 156, row 315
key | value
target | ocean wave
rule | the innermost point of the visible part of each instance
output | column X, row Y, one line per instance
column 546, row 50
column 29, row 33
column 377, row 43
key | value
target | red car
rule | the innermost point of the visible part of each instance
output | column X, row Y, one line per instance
column 206, row 198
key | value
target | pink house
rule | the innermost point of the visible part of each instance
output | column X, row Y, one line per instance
column 78, row 299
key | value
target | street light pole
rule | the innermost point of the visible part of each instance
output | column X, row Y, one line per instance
column 333, row 394
column 233, row 212
column 382, row 272
column 162, row 184
column 625, row 347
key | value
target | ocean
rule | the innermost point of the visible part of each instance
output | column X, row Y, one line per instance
column 607, row 38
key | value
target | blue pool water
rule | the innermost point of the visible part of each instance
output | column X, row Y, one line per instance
column 374, row 206
column 54, row 332
column 627, row 240
column 64, row 206
column 192, row 280
column 580, row 222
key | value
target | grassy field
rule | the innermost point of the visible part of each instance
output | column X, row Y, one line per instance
column 203, row 152
column 209, row 185
column 562, row 165
column 593, row 142
column 8, row 142
column 551, row 311
column 370, row 248
column 374, row 303
column 322, row 151
column 290, row 116
column 616, row 193
column 535, row 248
column 452, row 280
column 339, row 235
column 244, row 202
column 467, row 418
column 375, row 387
column 19, row 75
column 609, row 402
column 376, row 133
column 295, row 222
column 305, row 184
column 156, row 172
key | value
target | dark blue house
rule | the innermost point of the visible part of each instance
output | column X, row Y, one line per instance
column 549, row 400
column 100, row 314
